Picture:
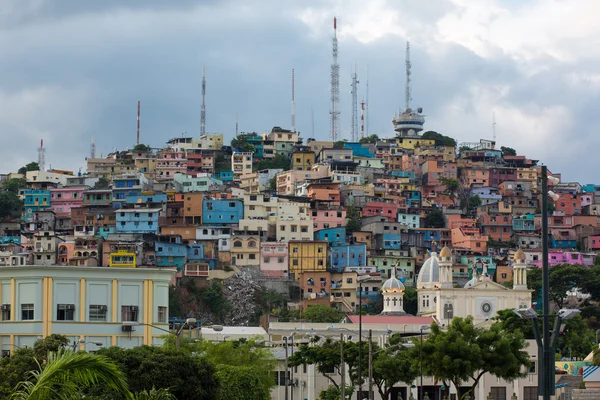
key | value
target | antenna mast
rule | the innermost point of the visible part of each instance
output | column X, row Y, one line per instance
column 366, row 105
column 407, row 97
column 494, row 125
column 203, row 106
column 362, row 119
column 138, row 124
column 93, row 148
column 335, row 85
column 312, row 121
column 236, row 124
column 354, row 92
column 42, row 156
column 293, row 105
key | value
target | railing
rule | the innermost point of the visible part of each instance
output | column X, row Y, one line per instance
column 11, row 239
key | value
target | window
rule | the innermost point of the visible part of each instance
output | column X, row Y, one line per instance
column 532, row 367
column 498, row 393
column 267, row 259
column 65, row 312
column 27, row 312
column 5, row 312
column 162, row 314
column 129, row 313
column 237, row 244
column 97, row 312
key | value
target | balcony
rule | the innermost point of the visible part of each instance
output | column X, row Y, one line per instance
column 11, row 239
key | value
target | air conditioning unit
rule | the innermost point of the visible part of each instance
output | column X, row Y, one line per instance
column 70, row 306
column 5, row 307
column 135, row 308
column 127, row 328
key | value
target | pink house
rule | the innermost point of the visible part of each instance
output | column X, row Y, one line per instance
column 592, row 242
column 63, row 199
column 328, row 218
column 274, row 259
column 380, row 209
column 566, row 257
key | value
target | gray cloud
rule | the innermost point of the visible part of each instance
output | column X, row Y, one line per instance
column 76, row 69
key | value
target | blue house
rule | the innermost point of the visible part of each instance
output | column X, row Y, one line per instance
column 524, row 223
column 222, row 211
column 148, row 200
column 348, row 255
column 126, row 185
column 195, row 252
column 35, row 200
column 256, row 141
column 170, row 254
column 225, row 176
column 334, row 236
column 392, row 241
column 563, row 239
column 138, row 220
column 479, row 262
column 413, row 198
column 360, row 150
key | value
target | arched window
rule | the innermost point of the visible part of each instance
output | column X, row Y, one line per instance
column 237, row 243
column 251, row 243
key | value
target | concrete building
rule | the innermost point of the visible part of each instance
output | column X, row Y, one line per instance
column 241, row 164
column 307, row 256
column 138, row 220
column 274, row 259
column 245, row 250
column 63, row 199
column 222, row 211
column 83, row 303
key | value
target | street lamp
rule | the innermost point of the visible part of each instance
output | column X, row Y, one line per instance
column 360, row 280
column 82, row 341
column 546, row 344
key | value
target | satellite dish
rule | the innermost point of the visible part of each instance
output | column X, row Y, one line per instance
column 420, row 110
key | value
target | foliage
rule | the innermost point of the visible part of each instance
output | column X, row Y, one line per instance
column 32, row 166
column 474, row 202
column 65, row 374
column 240, row 143
column 103, row 183
column 216, row 301
column 241, row 382
column 187, row 376
column 339, row 144
column 320, row 313
column 507, row 151
column 372, row 139
column 279, row 161
column 394, row 364
column 434, row 218
column 222, row 163
column 440, row 140
column 335, row 393
column 142, row 147
column 325, row 356
column 464, row 352
column 510, row 322
column 13, row 185
column 452, row 185
column 10, row 204
column 353, row 222
column 411, row 300
column 463, row 148
column 273, row 183
column 562, row 278
column 155, row 394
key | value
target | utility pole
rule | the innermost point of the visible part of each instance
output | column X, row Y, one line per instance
column 371, row 393
column 342, row 367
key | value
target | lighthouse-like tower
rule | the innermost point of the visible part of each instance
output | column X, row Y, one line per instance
column 393, row 296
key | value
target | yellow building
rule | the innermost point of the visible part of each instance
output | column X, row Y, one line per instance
column 123, row 259
column 410, row 143
column 102, row 307
column 303, row 159
column 241, row 164
column 307, row 256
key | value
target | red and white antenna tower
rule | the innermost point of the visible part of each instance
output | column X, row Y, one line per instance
column 335, row 85
column 362, row 119
column 138, row 124
column 203, row 106
column 93, row 148
column 42, row 156
column 293, row 105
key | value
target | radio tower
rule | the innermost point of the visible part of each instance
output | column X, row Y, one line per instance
column 354, row 92
column 407, row 97
column 335, row 85
column 293, row 105
column 203, row 106
column 42, row 156
column 362, row 119
column 138, row 124
column 93, row 148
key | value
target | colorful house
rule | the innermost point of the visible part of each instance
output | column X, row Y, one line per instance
column 348, row 255
column 222, row 211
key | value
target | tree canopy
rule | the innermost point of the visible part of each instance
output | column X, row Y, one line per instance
column 241, row 143
column 353, row 221
column 32, row 166
column 463, row 352
column 103, row 183
column 279, row 161
column 13, row 185
column 10, row 204
column 142, row 147
column 507, row 151
column 452, row 185
column 372, row 139
column 440, row 140
column 562, row 278
column 434, row 218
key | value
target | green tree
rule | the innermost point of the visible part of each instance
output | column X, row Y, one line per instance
column 273, row 183
column 452, row 185
column 562, row 278
column 339, row 144
column 240, row 143
column 394, row 364
column 142, row 147
column 222, row 163
column 434, row 218
column 440, row 140
column 464, row 352
column 32, row 166
column 66, row 374
column 325, row 356
column 279, row 161
column 13, row 185
column 353, row 222
column 10, row 204
column 216, row 301
column 320, row 313
column 186, row 375
column 507, row 151
column 334, row 393
column 155, row 394
column 372, row 139
column 473, row 202
column 241, row 382
column 411, row 300
column 103, row 183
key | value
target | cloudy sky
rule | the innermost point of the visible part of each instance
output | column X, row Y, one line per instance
column 74, row 69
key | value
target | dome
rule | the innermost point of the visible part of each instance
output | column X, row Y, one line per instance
column 392, row 285
column 519, row 255
column 430, row 271
column 445, row 252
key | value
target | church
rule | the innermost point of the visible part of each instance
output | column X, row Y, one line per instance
column 439, row 299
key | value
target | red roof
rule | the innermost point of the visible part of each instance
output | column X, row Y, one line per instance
column 391, row 319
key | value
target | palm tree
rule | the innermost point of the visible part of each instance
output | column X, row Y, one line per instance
column 66, row 373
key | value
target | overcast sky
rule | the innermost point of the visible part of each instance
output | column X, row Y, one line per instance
column 71, row 69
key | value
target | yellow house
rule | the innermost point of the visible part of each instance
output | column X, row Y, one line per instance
column 411, row 142
column 303, row 160
column 305, row 255
column 123, row 259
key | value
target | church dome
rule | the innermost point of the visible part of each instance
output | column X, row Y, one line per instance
column 519, row 255
column 392, row 285
column 430, row 271
column 445, row 252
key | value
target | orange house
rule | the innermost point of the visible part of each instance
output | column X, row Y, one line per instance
column 466, row 236
column 324, row 191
